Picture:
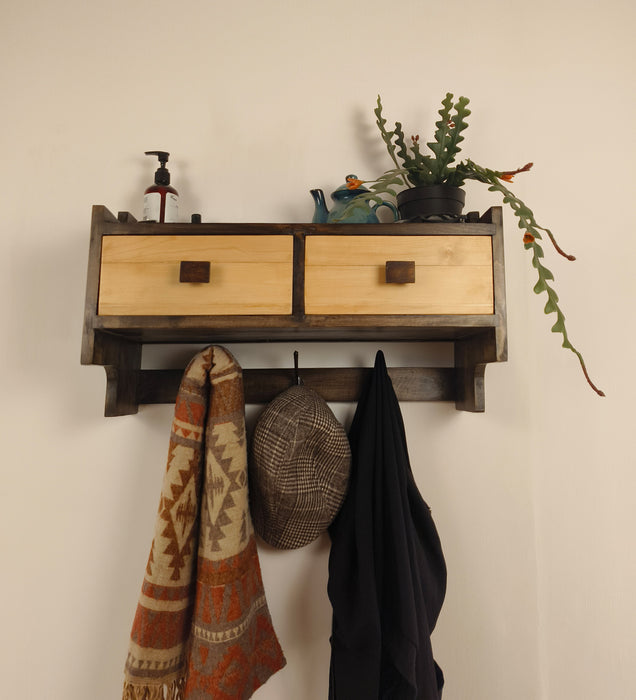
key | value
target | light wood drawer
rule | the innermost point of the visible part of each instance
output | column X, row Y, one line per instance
column 346, row 275
column 249, row 274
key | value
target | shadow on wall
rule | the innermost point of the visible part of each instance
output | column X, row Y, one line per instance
column 47, row 283
column 295, row 584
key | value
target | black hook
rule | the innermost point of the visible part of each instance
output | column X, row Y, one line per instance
column 297, row 378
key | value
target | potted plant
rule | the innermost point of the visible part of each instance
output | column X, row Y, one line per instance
column 427, row 186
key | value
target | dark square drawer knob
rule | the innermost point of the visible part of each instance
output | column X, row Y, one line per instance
column 400, row 271
column 194, row 271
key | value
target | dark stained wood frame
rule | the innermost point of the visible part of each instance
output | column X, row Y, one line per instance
column 116, row 341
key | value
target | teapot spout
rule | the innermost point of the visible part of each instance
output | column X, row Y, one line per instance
column 320, row 211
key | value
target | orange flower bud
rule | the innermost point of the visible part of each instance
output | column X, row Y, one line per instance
column 528, row 238
column 507, row 175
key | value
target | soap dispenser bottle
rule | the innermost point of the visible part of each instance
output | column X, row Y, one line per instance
column 160, row 199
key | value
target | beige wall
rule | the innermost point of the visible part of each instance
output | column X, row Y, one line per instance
column 257, row 103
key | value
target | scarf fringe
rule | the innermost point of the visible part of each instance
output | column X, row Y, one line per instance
column 165, row 691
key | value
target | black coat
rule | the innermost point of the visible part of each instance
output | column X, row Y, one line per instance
column 387, row 575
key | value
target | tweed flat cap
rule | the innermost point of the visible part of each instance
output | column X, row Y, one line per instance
column 299, row 469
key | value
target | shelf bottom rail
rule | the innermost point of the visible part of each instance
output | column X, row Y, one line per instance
column 128, row 385
column 337, row 384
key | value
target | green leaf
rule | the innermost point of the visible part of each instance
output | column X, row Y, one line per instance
column 538, row 253
column 551, row 306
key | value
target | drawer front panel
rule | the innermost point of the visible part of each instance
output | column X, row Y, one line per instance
column 248, row 275
column 347, row 275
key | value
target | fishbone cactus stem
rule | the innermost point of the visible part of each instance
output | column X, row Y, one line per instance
column 531, row 239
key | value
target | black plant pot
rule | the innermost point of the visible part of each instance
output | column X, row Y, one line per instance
column 431, row 203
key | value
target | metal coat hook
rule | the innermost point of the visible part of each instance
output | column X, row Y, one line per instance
column 297, row 378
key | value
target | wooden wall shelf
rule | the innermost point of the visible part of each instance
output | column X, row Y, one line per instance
column 295, row 282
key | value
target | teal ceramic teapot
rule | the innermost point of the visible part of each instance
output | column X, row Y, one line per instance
column 342, row 198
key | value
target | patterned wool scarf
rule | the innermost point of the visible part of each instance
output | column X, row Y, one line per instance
column 202, row 628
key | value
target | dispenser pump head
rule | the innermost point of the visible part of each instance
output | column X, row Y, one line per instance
column 162, row 176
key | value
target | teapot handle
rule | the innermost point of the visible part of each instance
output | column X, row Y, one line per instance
column 396, row 216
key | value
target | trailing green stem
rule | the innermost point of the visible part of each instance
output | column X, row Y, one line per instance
column 528, row 223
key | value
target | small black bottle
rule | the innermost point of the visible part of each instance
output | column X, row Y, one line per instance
column 161, row 200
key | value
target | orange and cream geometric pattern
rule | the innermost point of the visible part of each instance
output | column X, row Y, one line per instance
column 202, row 628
